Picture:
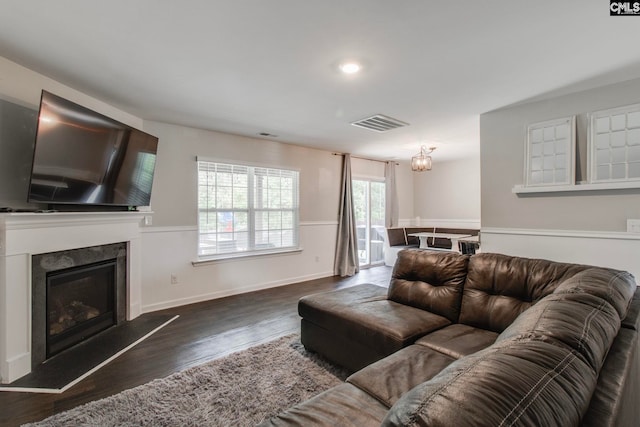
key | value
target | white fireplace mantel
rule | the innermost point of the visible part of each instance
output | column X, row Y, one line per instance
column 25, row 234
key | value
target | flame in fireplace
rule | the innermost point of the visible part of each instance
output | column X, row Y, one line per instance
column 66, row 316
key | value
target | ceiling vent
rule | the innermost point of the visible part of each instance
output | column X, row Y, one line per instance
column 379, row 123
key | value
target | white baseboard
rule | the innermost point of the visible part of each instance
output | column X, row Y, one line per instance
column 16, row 367
column 134, row 311
column 229, row 292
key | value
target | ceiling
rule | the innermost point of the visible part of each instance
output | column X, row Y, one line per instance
column 252, row 66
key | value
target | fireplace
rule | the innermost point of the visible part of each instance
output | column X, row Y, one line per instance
column 80, row 304
column 26, row 236
column 76, row 294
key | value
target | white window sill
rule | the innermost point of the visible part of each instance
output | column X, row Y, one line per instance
column 620, row 185
column 240, row 256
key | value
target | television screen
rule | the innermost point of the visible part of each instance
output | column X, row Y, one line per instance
column 82, row 157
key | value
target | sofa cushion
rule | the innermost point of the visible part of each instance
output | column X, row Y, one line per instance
column 343, row 405
column 499, row 287
column 458, row 340
column 580, row 322
column 526, row 382
column 581, row 314
column 388, row 379
column 363, row 314
column 430, row 281
column 614, row 286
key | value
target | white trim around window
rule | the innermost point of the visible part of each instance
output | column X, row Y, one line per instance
column 246, row 210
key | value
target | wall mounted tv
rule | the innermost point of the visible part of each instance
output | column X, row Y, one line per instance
column 83, row 159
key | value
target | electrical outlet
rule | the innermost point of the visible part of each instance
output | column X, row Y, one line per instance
column 633, row 226
column 148, row 220
column 174, row 279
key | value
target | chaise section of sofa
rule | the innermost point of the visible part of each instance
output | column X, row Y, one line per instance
column 556, row 344
column 356, row 326
column 361, row 326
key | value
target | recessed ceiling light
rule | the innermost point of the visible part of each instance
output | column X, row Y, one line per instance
column 350, row 67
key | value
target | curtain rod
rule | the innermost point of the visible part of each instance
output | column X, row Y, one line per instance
column 366, row 158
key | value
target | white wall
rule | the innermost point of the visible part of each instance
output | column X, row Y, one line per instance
column 168, row 250
column 174, row 196
column 448, row 195
column 584, row 227
column 23, row 86
column 170, row 245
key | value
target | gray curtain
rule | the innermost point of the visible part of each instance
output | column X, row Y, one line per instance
column 346, row 262
column 391, row 212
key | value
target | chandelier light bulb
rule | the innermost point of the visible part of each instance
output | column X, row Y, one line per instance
column 350, row 67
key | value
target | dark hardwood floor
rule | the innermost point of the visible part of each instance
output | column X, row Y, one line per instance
column 203, row 332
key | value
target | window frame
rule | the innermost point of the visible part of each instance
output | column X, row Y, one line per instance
column 251, row 211
column 564, row 147
column 629, row 145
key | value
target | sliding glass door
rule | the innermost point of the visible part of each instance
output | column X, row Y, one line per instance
column 368, row 203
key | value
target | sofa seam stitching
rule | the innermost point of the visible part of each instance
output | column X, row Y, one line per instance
column 585, row 330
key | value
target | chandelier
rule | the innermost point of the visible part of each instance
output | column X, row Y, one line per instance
column 422, row 161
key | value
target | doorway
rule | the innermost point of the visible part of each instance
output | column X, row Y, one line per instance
column 369, row 207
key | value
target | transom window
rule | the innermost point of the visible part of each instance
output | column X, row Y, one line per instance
column 246, row 209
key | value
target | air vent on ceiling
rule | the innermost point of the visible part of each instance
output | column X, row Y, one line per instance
column 379, row 123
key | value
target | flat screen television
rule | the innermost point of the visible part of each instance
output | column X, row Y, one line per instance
column 84, row 158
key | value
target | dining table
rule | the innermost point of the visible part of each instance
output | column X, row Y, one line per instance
column 424, row 237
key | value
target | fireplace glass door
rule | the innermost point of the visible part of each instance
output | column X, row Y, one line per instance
column 80, row 303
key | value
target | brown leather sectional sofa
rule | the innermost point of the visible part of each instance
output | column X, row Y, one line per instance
column 481, row 340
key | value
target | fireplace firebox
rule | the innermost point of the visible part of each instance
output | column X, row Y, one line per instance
column 80, row 303
column 76, row 294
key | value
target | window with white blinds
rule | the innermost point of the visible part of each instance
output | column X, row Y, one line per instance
column 246, row 209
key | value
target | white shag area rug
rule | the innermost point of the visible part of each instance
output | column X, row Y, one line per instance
column 241, row 389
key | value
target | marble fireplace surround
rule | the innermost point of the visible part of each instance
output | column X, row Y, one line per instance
column 23, row 235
